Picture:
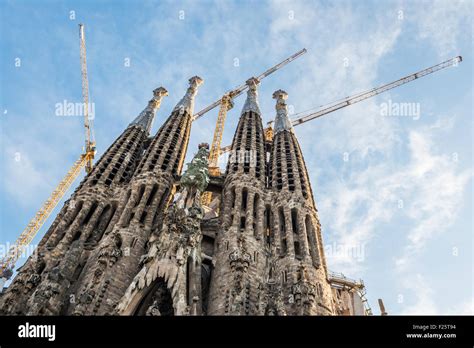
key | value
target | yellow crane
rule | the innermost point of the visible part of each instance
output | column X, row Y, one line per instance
column 226, row 104
column 85, row 160
column 89, row 150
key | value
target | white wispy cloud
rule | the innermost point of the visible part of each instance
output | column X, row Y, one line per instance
column 428, row 191
column 441, row 23
column 433, row 190
column 419, row 299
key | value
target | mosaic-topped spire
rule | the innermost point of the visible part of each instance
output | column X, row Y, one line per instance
column 282, row 122
column 146, row 117
column 251, row 104
column 187, row 102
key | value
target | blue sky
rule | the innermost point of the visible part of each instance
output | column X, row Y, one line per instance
column 394, row 194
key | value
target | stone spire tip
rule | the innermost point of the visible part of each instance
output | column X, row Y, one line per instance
column 187, row 102
column 282, row 122
column 251, row 104
column 160, row 92
column 280, row 94
column 146, row 117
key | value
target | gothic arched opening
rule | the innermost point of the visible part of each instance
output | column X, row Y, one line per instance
column 157, row 302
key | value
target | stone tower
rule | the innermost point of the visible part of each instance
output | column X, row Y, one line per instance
column 169, row 282
column 299, row 262
column 116, row 260
column 240, row 248
column 43, row 284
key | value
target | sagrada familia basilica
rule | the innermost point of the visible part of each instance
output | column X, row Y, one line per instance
column 135, row 239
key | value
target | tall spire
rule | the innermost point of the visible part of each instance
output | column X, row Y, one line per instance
column 251, row 104
column 187, row 102
column 146, row 117
column 282, row 122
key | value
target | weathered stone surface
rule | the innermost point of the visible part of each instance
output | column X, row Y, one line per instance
column 133, row 239
column 173, row 261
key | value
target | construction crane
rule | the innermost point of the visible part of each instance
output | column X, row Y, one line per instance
column 89, row 150
column 327, row 109
column 226, row 104
column 306, row 116
column 85, row 160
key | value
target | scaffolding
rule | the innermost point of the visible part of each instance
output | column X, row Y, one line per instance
column 340, row 281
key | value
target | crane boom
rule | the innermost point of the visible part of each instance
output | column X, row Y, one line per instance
column 375, row 91
column 35, row 224
column 239, row 90
column 328, row 108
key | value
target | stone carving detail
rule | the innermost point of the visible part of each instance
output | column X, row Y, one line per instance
column 270, row 299
column 194, row 181
column 270, row 292
column 111, row 252
column 176, row 244
column 238, row 296
column 153, row 310
column 303, row 292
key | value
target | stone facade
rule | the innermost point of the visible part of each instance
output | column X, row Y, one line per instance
column 134, row 239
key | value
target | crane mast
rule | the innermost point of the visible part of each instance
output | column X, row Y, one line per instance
column 225, row 105
column 88, row 126
column 14, row 252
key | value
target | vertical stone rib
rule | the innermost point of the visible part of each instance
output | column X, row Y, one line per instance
column 249, row 213
column 303, row 236
column 73, row 228
column 92, row 222
column 289, row 232
column 237, row 208
column 141, row 204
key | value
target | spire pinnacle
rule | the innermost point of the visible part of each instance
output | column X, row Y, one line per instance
column 187, row 102
column 146, row 117
column 282, row 122
column 251, row 104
